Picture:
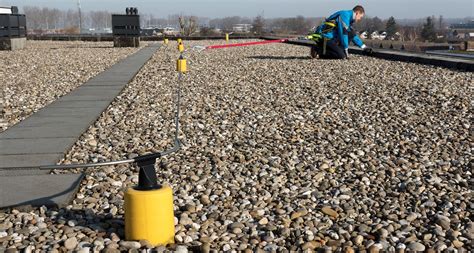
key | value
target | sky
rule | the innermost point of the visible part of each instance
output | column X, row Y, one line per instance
column 269, row 8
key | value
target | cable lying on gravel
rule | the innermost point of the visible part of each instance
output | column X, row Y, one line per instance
column 280, row 153
column 44, row 71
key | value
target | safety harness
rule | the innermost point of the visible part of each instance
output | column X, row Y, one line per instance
column 326, row 27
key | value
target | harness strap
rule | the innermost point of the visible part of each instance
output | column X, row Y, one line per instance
column 329, row 26
column 325, row 41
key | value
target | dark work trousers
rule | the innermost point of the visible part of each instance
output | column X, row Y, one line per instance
column 333, row 50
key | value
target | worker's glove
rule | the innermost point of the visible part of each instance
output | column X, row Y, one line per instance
column 314, row 37
column 346, row 51
column 368, row 51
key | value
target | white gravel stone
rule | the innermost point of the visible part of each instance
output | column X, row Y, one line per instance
column 70, row 243
column 130, row 244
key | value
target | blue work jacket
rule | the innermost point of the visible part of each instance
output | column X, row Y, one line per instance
column 343, row 20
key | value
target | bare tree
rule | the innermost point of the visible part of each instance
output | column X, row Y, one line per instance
column 47, row 18
column 229, row 22
column 409, row 33
column 296, row 25
column 173, row 19
column 208, row 31
column 71, row 19
column 33, row 17
column 402, row 33
column 159, row 22
column 99, row 19
column 53, row 17
column 258, row 25
column 302, row 25
column 188, row 25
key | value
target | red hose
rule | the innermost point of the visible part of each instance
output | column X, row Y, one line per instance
column 247, row 44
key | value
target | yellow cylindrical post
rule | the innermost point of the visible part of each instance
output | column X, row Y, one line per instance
column 227, row 37
column 181, row 65
column 181, row 47
column 165, row 41
column 149, row 216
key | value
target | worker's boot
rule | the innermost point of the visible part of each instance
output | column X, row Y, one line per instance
column 314, row 53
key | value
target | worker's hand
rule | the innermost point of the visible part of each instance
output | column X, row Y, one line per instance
column 368, row 51
column 346, row 51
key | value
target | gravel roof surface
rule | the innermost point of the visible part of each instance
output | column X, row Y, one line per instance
column 37, row 75
column 280, row 152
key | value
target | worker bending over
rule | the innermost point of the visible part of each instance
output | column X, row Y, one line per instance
column 333, row 36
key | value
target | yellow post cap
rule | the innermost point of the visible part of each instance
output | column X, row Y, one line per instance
column 181, row 47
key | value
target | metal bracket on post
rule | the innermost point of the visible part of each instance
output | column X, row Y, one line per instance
column 147, row 179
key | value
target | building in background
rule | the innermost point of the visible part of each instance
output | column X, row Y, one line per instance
column 462, row 34
column 242, row 28
column 462, row 31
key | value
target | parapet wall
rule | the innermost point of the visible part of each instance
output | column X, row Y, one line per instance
column 421, row 58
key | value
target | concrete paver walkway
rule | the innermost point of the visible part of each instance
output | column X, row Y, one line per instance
column 44, row 137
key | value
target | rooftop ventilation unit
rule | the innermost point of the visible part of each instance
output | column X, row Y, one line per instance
column 12, row 29
column 126, row 28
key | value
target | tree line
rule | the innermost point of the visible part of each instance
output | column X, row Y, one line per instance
column 68, row 22
column 431, row 29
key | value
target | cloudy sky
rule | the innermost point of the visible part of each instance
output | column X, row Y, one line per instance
column 270, row 8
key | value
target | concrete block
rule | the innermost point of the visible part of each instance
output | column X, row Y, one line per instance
column 65, row 112
column 27, row 160
column 109, row 77
column 38, row 190
column 122, row 41
column 44, row 121
column 12, row 43
column 35, row 146
column 470, row 45
column 96, row 97
column 79, row 104
column 53, row 131
column 94, row 90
